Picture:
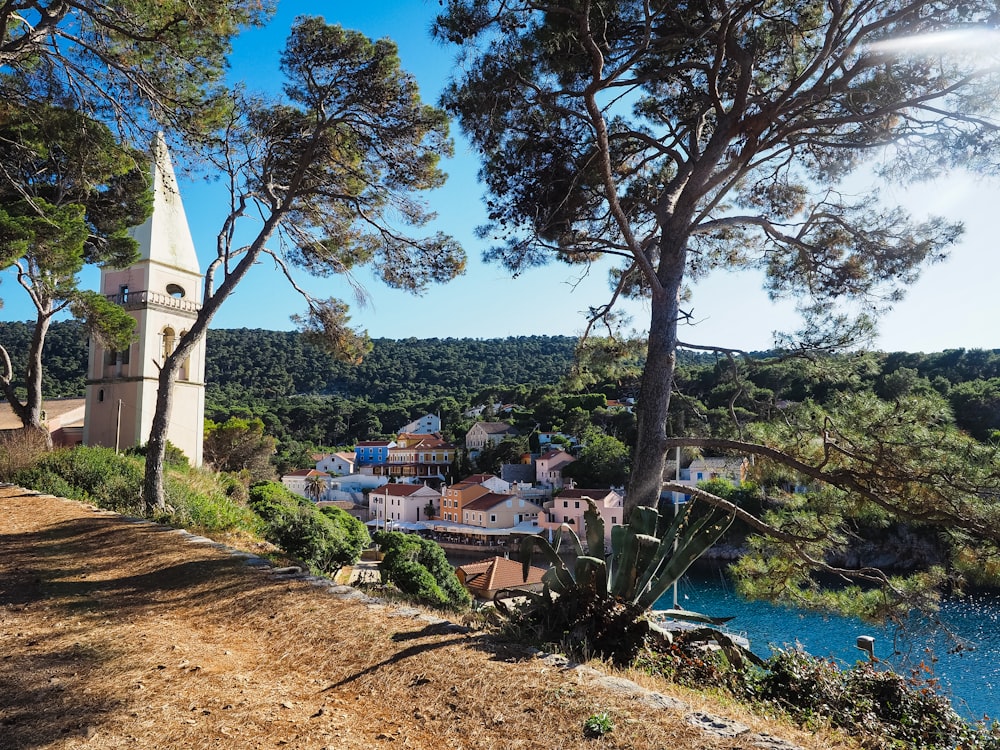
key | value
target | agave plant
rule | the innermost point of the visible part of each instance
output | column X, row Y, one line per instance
column 601, row 605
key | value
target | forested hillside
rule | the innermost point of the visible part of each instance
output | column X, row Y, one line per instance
column 305, row 398
column 270, row 363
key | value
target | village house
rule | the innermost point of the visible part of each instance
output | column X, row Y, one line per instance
column 426, row 425
column 731, row 469
column 408, row 503
column 490, row 481
column 62, row 417
column 455, row 497
column 482, row 434
column 484, row 578
column 299, row 482
column 549, row 467
column 369, row 453
column 418, row 458
column 496, row 511
column 336, row 464
column 567, row 508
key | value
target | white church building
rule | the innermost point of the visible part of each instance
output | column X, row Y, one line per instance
column 163, row 292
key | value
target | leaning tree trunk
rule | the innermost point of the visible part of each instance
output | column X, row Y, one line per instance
column 156, row 447
column 646, row 479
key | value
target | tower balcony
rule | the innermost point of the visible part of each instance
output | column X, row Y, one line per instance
column 136, row 300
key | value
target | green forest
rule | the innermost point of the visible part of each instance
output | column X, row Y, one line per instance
column 308, row 399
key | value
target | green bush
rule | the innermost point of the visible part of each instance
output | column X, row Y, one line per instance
column 97, row 475
column 418, row 567
column 323, row 541
column 113, row 481
column 884, row 708
column 201, row 499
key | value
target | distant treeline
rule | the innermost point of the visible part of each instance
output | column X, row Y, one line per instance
column 259, row 364
column 305, row 396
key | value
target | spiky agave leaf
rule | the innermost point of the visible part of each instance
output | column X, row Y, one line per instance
column 592, row 575
column 594, row 525
column 558, row 576
column 692, row 544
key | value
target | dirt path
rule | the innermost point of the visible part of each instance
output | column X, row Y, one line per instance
column 117, row 634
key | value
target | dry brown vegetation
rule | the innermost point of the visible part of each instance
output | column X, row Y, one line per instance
column 116, row 634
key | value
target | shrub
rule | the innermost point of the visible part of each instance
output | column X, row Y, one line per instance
column 93, row 474
column 886, row 709
column 418, row 567
column 323, row 542
column 20, row 449
column 203, row 500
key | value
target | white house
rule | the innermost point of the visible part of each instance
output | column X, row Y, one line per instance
column 336, row 464
column 732, row 469
column 426, row 425
column 301, row 480
column 403, row 502
column 490, row 481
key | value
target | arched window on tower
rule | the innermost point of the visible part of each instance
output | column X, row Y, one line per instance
column 169, row 342
column 186, row 365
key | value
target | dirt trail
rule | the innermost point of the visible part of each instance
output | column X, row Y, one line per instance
column 119, row 634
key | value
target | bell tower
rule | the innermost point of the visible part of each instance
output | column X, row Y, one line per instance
column 162, row 291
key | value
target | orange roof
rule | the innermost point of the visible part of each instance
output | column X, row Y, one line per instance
column 487, row 501
column 498, row 573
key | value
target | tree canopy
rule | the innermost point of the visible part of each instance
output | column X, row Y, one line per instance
column 330, row 177
column 68, row 194
column 685, row 138
column 141, row 65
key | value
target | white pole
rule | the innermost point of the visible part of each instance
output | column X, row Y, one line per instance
column 676, row 495
column 118, row 426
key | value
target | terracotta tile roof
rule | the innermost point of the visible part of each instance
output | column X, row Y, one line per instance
column 487, row 501
column 498, row 573
column 554, row 453
column 397, row 490
column 305, row 473
column 374, row 443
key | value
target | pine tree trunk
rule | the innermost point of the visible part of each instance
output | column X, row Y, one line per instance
column 650, row 452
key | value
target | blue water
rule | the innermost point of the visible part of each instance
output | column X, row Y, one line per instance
column 969, row 676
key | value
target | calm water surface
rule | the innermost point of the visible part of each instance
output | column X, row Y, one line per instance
column 970, row 676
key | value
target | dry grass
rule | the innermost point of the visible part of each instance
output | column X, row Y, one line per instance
column 115, row 634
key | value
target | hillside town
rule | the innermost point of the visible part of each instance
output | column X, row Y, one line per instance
column 402, row 485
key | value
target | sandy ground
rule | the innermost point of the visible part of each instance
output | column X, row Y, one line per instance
column 117, row 634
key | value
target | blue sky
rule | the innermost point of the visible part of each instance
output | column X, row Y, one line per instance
column 953, row 305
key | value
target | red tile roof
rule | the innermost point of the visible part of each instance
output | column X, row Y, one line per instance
column 397, row 490
column 496, row 573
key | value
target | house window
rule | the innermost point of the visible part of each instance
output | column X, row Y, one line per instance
column 614, row 519
column 493, row 518
column 565, row 503
column 100, row 395
column 576, row 504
